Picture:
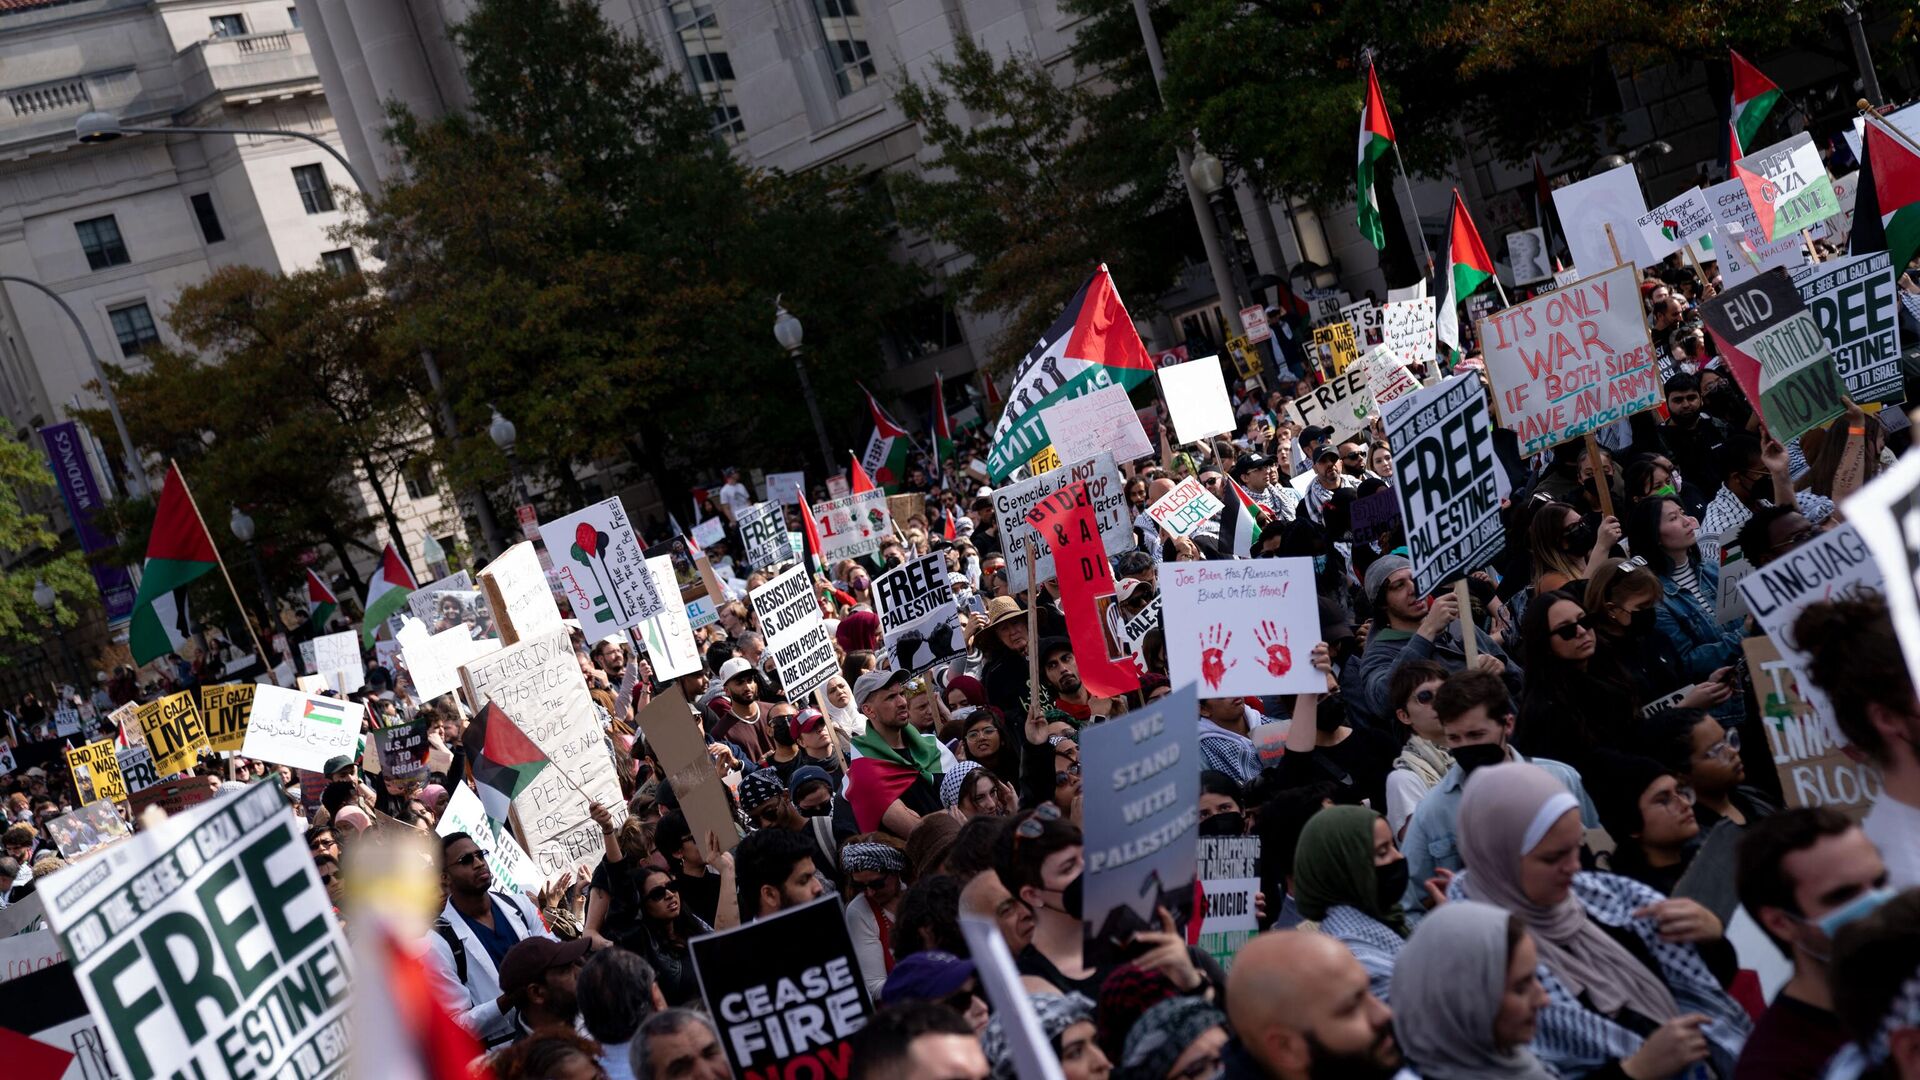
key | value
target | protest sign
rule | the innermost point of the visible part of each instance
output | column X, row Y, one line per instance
column 796, row 634
column 1528, row 259
column 424, row 602
column 1573, row 361
column 687, row 768
column 1229, row 626
column 136, row 768
column 1807, row 747
column 23, row 954
column 1341, row 403
column 1409, row 330
column 903, row 508
column 1375, row 512
column 853, row 526
column 1064, row 521
column 1587, row 207
column 710, row 532
column 336, row 658
column 1000, row 979
column 300, row 730
column 1254, row 318
column 101, row 764
column 1388, row 377
column 1141, row 818
column 1365, row 319
column 1135, row 628
column 919, row 620
column 784, row 992
column 170, row 728
column 1834, row 565
column 763, row 536
column 1856, row 304
column 602, row 570
column 1744, row 254
column 1196, row 397
column 519, row 594
column 1728, row 605
column 1335, row 347
column 7, row 764
column 66, row 721
column 403, row 750
column 174, row 796
column 1011, row 503
column 433, row 660
column 1447, row 479
column 1788, row 186
column 1103, row 419
column 512, row 867
column 786, row 488
column 1229, row 868
column 48, row 1021
column 667, row 637
column 1046, row 460
column 230, row 886
column 92, row 826
column 1887, row 513
column 1776, row 353
column 537, row 683
column 1667, row 227
column 1184, row 509
column 223, row 710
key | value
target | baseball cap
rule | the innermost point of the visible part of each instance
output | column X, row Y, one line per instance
column 735, row 668
column 877, row 679
column 335, row 764
column 1249, row 462
column 532, row 957
column 1326, row 452
column 1309, row 434
column 808, row 721
column 926, row 976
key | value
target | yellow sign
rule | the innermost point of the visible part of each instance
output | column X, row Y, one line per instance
column 1334, row 344
column 173, row 733
column 96, row 767
column 1045, row 461
column 1245, row 362
column 225, row 709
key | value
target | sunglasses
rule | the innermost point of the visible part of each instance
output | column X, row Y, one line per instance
column 470, row 858
column 1424, row 697
column 872, row 884
column 661, row 892
column 1034, row 822
column 1572, row 630
column 328, row 879
column 1351, row 457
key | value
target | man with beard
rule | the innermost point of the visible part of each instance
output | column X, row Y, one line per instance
column 541, row 974
column 1417, row 628
column 764, row 796
column 1691, row 436
column 1071, row 696
column 738, row 717
column 611, row 659
column 471, row 939
column 1302, row 1010
column 894, row 776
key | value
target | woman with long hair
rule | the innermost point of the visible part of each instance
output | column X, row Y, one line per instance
column 1628, row 648
column 1565, row 548
column 661, row 936
column 1566, row 711
column 1663, row 533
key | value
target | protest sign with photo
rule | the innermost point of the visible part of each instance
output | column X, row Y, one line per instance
column 1065, row 522
column 1011, row 503
column 667, row 637
column 300, row 730
column 101, row 766
column 1787, row 185
column 796, row 634
column 1834, row 565
column 403, row 749
column 170, row 727
column 1140, row 818
column 1103, row 419
column 7, row 764
column 786, row 488
column 1409, row 330
column 1229, row 626
column 784, row 992
column 1776, row 352
column 763, row 536
column 92, row 826
column 1808, row 749
column 136, row 768
column 512, row 867
column 1341, row 403
column 853, row 526
column 537, row 683
column 602, row 571
column 1856, row 303
column 1528, row 259
column 1447, row 479
column 1196, row 397
column 519, row 594
column 919, row 620
column 1335, row 347
column 423, row 602
column 1187, row 507
column 1573, row 361
column 1365, row 319
column 1587, row 207
column 230, row 885
column 1229, row 868
column 687, row 767
column 1667, row 227
column 223, row 711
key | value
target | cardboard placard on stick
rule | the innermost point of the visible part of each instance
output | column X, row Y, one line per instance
column 785, row 992
column 1447, row 479
column 669, row 729
column 919, row 619
column 516, row 589
column 1777, row 353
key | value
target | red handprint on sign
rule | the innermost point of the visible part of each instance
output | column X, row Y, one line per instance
column 1213, row 650
column 1279, row 657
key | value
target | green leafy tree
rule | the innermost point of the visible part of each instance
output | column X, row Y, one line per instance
column 32, row 552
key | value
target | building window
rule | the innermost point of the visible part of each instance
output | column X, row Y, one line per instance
column 133, row 325
column 923, row 328
column 293, row 17
column 846, row 34
column 100, row 239
column 314, row 193
column 418, row 474
column 228, row 26
column 209, row 218
column 705, row 48
column 340, row 261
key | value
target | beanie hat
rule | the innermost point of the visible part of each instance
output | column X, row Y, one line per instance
column 1380, row 570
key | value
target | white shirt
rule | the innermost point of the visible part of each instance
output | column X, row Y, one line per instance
column 736, row 499
column 1405, row 789
column 1894, row 828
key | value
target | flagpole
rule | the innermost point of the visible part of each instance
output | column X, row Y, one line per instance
column 222, row 564
column 1412, row 208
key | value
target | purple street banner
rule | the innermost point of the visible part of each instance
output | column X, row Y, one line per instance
column 66, row 453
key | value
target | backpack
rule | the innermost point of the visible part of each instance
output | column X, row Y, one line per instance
column 447, row 933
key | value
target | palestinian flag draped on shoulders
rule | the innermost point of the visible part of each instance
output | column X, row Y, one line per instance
column 888, row 448
column 387, row 593
column 878, row 775
column 1092, row 344
column 179, row 552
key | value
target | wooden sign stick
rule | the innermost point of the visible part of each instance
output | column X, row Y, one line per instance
column 1469, row 639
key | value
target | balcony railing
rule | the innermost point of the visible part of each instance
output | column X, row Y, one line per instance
column 244, row 62
column 67, row 96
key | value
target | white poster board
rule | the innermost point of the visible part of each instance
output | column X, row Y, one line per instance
column 796, row 634
column 1104, row 490
column 1410, row 330
column 1341, row 403
column 337, row 656
column 1833, row 565
column 1197, row 401
column 853, row 525
column 512, row 867
column 1241, row 628
column 1587, row 207
column 919, row 619
column 597, row 556
column 1449, row 483
column 1679, row 220
column 1188, row 506
column 1103, row 419
column 520, row 593
column 305, row 731
column 786, row 488
column 668, row 637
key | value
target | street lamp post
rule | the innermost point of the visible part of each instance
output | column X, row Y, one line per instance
column 243, row 531
column 136, row 472
column 1210, row 176
column 787, row 331
column 44, row 599
column 505, row 436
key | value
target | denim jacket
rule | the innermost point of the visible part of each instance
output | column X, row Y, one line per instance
column 1703, row 644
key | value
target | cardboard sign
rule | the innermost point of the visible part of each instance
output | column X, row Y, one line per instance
column 100, row 764
column 1388, row 377
column 796, row 634
column 1341, row 403
column 301, row 730
column 336, row 658
column 89, row 828
column 603, row 572
column 1887, row 513
column 224, row 709
column 784, row 991
column 1065, row 522
column 1196, row 397
column 668, row 637
column 1410, row 330
column 1856, row 303
column 1776, row 352
column 763, row 536
column 919, row 620
column 1102, row 420
column 136, row 768
column 403, row 750
column 537, row 682
column 1528, row 261
column 1188, row 506
column 230, row 885
column 786, row 488
column 1447, row 479
column 1833, row 565
column 853, row 526
column 520, row 594
column 1807, row 747
column 1141, row 817
column 1587, row 207
column 1675, row 222
column 1573, row 361
column 1011, row 503
column 1335, row 346
column 1229, row 868
column 1787, row 185
column 512, row 867
column 171, row 729
column 686, row 766
column 1375, row 512
column 1365, row 320
column 1229, row 626
column 904, row 508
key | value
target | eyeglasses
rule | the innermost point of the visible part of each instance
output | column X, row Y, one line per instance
column 328, row 879
column 1727, row 747
column 661, row 892
column 872, row 884
column 470, row 858
column 982, row 732
column 959, row 1001
column 1572, row 630
column 1673, row 801
column 1352, row 457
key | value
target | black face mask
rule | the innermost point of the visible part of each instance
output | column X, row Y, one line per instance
column 1472, row 757
column 1070, row 896
column 1761, row 490
column 825, row 809
column 1644, row 621
column 1332, row 715
column 1392, row 882
column 1231, row 823
column 1580, row 539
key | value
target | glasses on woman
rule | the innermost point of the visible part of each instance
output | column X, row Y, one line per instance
column 661, row 892
column 1570, row 631
column 1728, row 747
column 981, row 733
column 1425, row 696
column 1674, row 801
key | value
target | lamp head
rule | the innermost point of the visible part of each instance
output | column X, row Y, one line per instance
column 97, row 127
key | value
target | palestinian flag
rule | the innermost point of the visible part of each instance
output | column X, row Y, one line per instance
column 503, row 759
column 321, row 603
column 1734, row 152
column 1239, row 522
column 1754, row 97
column 1376, row 138
column 887, row 448
column 179, row 552
column 396, row 1013
column 387, row 593
column 1867, row 234
column 861, row 481
column 1466, row 267
column 1894, row 191
column 942, row 427
column 1092, row 337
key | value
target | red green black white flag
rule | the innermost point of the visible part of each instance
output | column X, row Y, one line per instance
column 1376, row 138
column 504, row 760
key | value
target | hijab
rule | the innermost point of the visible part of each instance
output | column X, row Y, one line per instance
column 1444, row 1005
column 1504, row 813
column 1333, row 867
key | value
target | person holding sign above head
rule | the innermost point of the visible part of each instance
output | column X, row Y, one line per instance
column 471, row 939
column 1755, row 473
column 1416, row 629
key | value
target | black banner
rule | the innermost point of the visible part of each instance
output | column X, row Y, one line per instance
column 785, row 992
